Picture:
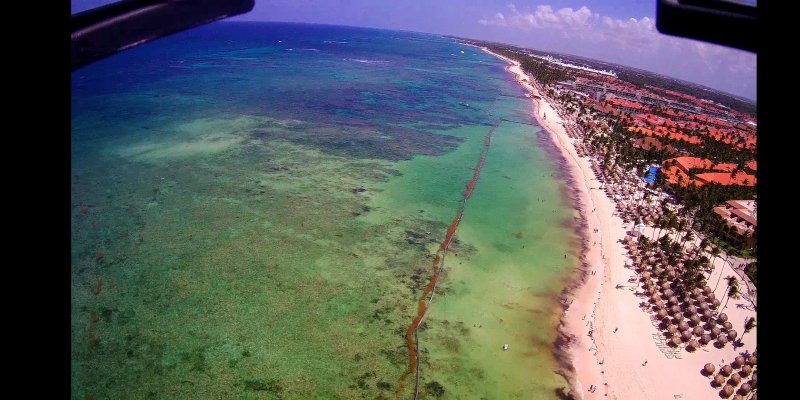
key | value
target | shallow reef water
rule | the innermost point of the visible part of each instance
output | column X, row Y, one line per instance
column 256, row 206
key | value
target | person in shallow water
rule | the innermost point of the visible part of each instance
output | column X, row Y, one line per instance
column 505, row 347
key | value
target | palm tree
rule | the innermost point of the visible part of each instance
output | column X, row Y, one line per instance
column 733, row 290
column 656, row 224
column 703, row 247
column 715, row 252
column 672, row 222
column 723, row 266
column 749, row 324
column 688, row 236
column 681, row 226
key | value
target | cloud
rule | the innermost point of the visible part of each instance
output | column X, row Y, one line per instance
column 632, row 41
column 570, row 22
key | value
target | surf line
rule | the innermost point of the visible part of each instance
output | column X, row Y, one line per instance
column 425, row 301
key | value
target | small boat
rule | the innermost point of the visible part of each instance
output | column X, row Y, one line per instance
column 505, row 347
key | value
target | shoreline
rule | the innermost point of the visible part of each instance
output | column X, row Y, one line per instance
column 604, row 338
column 574, row 359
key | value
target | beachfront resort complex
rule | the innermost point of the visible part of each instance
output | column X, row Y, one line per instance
column 665, row 180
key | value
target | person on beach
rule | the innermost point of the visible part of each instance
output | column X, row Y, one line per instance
column 615, row 330
column 645, row 363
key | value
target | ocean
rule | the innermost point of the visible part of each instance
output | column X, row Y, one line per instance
column 256, row 208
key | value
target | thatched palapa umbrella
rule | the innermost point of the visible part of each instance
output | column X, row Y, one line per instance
column 676, row 340
column 746, row 388
column 700, row 299
column 722, row 340
column 707, row 290
column 683, row 326
column 726, row 370
column 715, row 332
column 727, row 391
column 662, row 313
column 706, row 338
column 698, row 331
column 722, row 318
column 715, row 303
column 695, row 320
column 709, row 368
column 727, row 325
column 707, row 314
column 736, row 379
column 692, row 309
column 673, row 301
column 746, row 371
column 719, row 380
column 672, row 329
column 693, row 343
column 737, row 397
column 686, row 335
column 738, row 362
column 752, row 360
column 655, row 297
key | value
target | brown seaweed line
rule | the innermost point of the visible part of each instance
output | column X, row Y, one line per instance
column 424, row 302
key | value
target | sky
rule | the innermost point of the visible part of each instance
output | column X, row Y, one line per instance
column 618, row 31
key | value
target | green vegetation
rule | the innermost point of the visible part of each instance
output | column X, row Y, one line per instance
column 435, row 388
column 752, row 271
column 544, row 72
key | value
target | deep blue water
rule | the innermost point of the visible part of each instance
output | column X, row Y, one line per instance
column 401, row 83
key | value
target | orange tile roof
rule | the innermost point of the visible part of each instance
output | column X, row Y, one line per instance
column 752, row 165
column 687, row 163
column 648, row 143
column 724, row 178
column 676, row 175
column 728, row 167
column 625, row 103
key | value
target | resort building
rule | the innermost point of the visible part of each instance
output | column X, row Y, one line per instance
column 676, row 170
column 741, row 216
column 650, row 143
column 726, row 178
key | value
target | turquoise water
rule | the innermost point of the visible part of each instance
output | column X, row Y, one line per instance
column 256, row 207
